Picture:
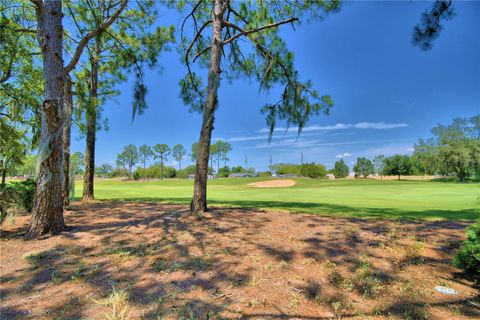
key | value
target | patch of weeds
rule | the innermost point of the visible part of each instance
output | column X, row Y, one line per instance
column 186, row 312
column 282, row 264
column 309, row 261
column 197, row 263
column 227, row 251
column 450, row 245
column 414, row 302
column 35, row 258
column 69, row 307
column 351, row 232
column 160, row 265
column 416, row 311
column 123, row 253
column 117, row 300
column 237, row 280
column 253, row 303
column 74, row 250
column 339, row 304
column 175, row 266
column 106, row 241
column 254, row 281
column 268, row 266
column 253, row 258
column 413, row 252
column 55, row 276
column 334, row 277
column 313, row 290
column 80, row 271
column 95, row 269
column 143, row 249
column 294, row 303
column 364, row 280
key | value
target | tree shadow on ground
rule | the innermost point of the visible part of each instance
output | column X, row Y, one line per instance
column 170, row 263
column 326, row 209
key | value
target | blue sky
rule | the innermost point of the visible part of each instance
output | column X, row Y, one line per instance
column 387, row 93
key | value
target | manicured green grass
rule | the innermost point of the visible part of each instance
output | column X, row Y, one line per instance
column 352, row 198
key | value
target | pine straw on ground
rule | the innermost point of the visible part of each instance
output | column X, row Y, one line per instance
column 154, row 261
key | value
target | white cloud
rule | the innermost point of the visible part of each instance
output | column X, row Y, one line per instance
column 293, row 131
column 343, row 155
column 342, row 126
column 379, row 125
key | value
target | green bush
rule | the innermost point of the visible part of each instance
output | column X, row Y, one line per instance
column 312, row 170
column 468, row 257
column 17, row 195
column 136, row 175
column 26, row 192
column 223, row 172
column 265, row 174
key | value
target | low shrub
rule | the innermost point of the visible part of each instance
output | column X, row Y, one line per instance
column 468, row 257
column 17, row 195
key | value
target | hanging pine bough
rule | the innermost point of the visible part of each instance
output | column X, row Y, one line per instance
column 430, row 25
column 217, row 25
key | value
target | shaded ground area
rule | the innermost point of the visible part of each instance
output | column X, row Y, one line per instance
column 148, row 260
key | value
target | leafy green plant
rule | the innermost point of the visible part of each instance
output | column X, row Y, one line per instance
column 468, row 257
column 19, row 195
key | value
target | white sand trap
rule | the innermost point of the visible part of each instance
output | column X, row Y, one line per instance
column 283, row 183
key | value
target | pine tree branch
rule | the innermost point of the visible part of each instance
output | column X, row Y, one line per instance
column 82, row 44
column 197, row 35
column 247, row 32
column 200, row 53
column 191, row 14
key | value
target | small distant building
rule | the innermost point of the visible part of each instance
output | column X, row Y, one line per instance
column 331, row 176
column 351, row 175
column 210, row 176
column 287, row 176
column 241, row 175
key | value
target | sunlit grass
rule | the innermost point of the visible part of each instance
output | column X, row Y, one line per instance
column 361, row 198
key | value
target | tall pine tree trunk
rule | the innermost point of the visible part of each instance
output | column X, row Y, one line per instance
column 67, row 126
column 89, row 175
column 144, row 172
column 161, row 168
column 4, row 177
column 47, row 216
column 199, row 200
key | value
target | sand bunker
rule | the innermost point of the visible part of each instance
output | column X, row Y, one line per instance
column 273, row 183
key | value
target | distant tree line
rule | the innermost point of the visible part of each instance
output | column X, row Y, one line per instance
column 310, row 170
column 453, row 150
column 131, row 156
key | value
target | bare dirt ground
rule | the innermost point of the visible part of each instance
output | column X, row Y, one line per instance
column 281, row 183
column 153, row 261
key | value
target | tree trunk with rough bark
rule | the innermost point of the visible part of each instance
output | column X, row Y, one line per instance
column 199, row 200
column 161, row 168
column 4, row 177
column 89, row 175
column 67, row 127
column 47, row 215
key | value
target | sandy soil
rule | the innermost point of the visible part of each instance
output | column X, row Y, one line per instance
column 280, row 183
column 233, row 264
